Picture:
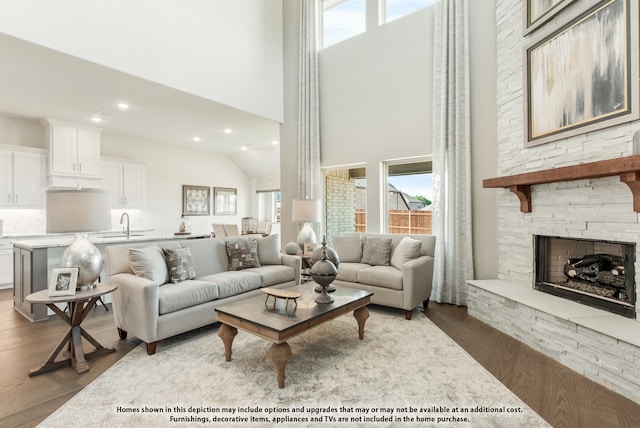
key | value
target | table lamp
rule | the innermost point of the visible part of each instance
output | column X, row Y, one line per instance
column 79, row 211
column 306, row 211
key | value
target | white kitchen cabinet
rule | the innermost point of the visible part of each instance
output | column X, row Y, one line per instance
column 74, row 154
column 22, row 178
column 6, row 263
column 125, row 183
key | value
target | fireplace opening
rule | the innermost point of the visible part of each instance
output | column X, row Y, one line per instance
column 597, row 273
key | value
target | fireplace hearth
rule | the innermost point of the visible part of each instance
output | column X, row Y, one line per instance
column 597, row 273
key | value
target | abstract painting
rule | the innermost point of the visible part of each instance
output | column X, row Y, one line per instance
column 537, row 12
column 579, row 78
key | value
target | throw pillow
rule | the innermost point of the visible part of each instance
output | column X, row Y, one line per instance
column 242, row 254
column 269, row 250
column 149, row 263
column 407, row 249
column 179, row 264
column 376, row 251
column 348, row 247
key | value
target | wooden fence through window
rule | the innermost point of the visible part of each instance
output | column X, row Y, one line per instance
column 401, row 222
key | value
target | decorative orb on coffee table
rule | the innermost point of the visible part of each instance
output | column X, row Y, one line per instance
column 323, row 272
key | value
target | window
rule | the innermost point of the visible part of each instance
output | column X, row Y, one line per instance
column 409, row 196
column 394, row 9
column 342, row 19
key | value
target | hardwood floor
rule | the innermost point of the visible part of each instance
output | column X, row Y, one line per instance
column 559, row 395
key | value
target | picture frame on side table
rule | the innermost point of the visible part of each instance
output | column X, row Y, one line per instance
column 196, row 200
column 308, row 248
column 598, row 53
column 63, row 282
column 225, row 201
column 538, row 12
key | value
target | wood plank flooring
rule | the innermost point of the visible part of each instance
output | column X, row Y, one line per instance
column 559, row 395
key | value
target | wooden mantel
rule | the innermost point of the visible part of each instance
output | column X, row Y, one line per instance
column 628, row 168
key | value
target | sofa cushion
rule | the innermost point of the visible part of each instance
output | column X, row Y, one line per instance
column 407, row 249
column 376, row 251
column 179, row 264
column 273, row 274
column 174, row 297
column 232, row 283
column 209, row 255
column 348, row 247
column 242, row 254
column 381, row 276
column 349, row 271
column 149, row 263
column 269, row 250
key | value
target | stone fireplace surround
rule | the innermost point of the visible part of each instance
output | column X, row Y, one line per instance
column 604, row 347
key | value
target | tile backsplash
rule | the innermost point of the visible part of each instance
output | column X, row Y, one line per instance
column 23, row 222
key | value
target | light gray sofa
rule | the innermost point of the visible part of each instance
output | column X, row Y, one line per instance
column 399, row 275
column 152, row 308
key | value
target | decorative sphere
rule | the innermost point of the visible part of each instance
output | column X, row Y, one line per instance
column 292, row 248
column 332, row 255
column 324, row 272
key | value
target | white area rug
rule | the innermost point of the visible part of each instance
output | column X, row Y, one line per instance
column 404, row 373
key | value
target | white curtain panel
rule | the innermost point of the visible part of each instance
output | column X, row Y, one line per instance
column 452, row 153
column 309, row 175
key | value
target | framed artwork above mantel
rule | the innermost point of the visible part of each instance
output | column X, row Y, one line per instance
column 538, row 12
column 583, row 76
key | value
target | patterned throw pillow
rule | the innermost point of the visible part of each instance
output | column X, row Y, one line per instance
column 180, row 264
column 376, row 251
column 242, row 254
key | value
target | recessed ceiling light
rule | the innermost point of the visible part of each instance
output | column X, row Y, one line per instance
column 96, row 119
column 227, row 130
column 243, row 148
column 274, row 142
column 196, row 138
column 123, row 106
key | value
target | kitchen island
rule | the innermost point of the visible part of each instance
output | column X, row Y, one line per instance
column 34, row 260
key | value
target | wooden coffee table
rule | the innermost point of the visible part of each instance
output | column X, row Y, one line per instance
column 278, row 323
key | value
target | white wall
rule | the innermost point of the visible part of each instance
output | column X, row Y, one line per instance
column 21, row 132
column 229, row 51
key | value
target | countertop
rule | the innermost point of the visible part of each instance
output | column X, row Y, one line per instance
column 97, row 239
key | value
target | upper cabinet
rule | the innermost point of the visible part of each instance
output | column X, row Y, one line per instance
column 125, row 182
column 74, row 154
column 22, row 178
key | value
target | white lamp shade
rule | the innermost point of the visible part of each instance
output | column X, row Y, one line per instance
column 71, row 210
column 306, row 210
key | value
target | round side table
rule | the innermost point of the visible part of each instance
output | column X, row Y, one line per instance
column 79, row 305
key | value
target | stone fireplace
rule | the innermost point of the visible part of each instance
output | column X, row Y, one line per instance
column 597, row 273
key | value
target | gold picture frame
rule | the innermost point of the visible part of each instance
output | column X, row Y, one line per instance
column 604, row 84
column 538, row 12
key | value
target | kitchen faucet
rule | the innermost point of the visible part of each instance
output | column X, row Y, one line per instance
column 122, row 219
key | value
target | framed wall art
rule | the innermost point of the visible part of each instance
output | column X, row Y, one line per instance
column 63, row 282
column 196, row 200
column 537, row 12
column 584, row 76
column 225, row 201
